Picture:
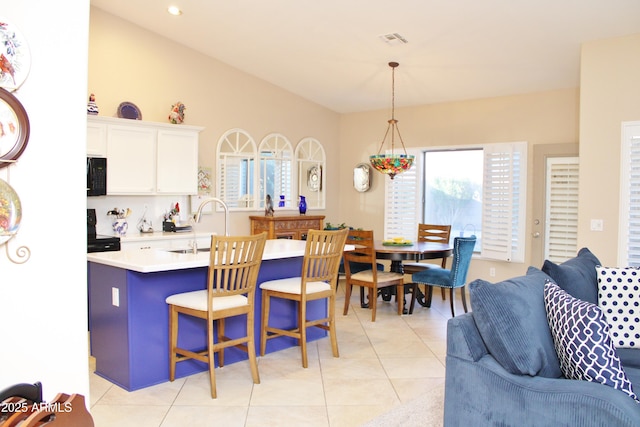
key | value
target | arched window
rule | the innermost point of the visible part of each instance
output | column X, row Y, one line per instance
column 276, row 164
column 310, row 169
column 236, row 156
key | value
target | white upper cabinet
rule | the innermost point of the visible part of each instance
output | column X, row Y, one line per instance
column 145, row 158
column 131, row 165
column 177, row 153
column 96, row 139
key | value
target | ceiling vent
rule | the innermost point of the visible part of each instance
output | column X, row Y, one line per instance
column 393, row 39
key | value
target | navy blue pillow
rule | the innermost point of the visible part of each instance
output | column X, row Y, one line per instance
column 581, row 337
column 577, row 275
column 512, row 321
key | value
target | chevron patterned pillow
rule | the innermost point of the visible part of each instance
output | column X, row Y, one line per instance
column 581, row 338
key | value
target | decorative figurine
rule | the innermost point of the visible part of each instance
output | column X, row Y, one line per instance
column 268, row 206
column 176, row 116
column 92, row 107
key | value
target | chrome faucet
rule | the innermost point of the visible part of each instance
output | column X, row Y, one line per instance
column 224, row 206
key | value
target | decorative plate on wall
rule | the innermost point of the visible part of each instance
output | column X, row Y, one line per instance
column 10, row 211
column 15, row 58
column 314, row 178
column 14, row 128
column 128, row 110
column 361, row 177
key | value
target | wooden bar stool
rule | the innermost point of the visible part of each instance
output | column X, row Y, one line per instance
column 233, row 273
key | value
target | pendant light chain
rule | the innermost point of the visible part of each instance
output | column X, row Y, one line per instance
column 393, row 92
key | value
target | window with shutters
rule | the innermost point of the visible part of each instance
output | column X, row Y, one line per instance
column 629, row 228
column 561, row 209
column 403, row 204
column 276, row 159
column 453, row 190
column 310, row 172
column 493, row 209
column 236, row 170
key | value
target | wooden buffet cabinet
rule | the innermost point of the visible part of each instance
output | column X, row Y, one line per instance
column 286, row 227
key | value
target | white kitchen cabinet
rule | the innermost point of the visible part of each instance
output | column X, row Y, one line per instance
column 145, row 244
column 177, row 157
column 147, row 158
column 131, row 153
column 96, row 139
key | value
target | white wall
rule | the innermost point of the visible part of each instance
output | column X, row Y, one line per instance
column 156, row 207
column 538, row 118
column 609, row 95
column 217, row 96
column 43, row 302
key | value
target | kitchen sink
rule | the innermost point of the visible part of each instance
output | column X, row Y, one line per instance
column 189, row 251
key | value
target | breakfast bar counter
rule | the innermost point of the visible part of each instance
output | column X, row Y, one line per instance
column 129, row 319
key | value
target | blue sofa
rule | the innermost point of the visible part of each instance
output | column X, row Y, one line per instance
column 502, row 368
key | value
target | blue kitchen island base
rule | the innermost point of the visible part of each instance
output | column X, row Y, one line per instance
column 129, row 321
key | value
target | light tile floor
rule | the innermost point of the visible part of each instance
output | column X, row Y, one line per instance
column 381, row 364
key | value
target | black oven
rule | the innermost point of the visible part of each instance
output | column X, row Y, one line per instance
column 97, row 242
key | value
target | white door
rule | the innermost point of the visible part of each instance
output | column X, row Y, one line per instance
column 561, row 209
column 544, row 222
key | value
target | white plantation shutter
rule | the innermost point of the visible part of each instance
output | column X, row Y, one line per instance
column 403, row 203
column 236, row 154
column 561, row 217
column 629, row 229
column 229, row 178
column 276, row 159
column 504, row 201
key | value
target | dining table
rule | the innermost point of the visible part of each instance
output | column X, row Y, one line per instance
column 406, row 251
column 413, row 251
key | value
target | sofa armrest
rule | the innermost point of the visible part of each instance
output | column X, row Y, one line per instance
column 463, row 338
column 483, row 393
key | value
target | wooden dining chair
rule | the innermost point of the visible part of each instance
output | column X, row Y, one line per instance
column 318, row 280
column 364, row 255
column 434, row 233
column 233, row 272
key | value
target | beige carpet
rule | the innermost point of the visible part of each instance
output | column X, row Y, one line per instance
column 424, row 411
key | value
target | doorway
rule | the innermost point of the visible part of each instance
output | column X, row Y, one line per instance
column 549, row 231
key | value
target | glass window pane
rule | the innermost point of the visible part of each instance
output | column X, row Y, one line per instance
column 453, row 190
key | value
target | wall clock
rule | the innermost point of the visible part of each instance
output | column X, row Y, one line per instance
column 14, row 128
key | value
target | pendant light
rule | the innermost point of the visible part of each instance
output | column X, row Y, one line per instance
column 392, row 163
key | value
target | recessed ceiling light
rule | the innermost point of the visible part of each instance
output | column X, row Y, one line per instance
column 174, row 10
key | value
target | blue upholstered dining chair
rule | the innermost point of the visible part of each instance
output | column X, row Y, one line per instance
column 453, row 278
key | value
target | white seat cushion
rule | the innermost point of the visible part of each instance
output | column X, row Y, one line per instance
column 383, row 276
column 293, row 285
column 197, row 300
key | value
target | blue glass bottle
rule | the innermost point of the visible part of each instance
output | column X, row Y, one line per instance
column 302, row 206
column 281, row 202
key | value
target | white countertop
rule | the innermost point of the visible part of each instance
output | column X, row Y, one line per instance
column 136, row 236
column 153, row 260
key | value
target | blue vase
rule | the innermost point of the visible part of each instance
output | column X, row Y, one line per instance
column 302, row 206
column 281, row 202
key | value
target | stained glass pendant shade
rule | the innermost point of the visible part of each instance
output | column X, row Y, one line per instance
column 392, row 163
